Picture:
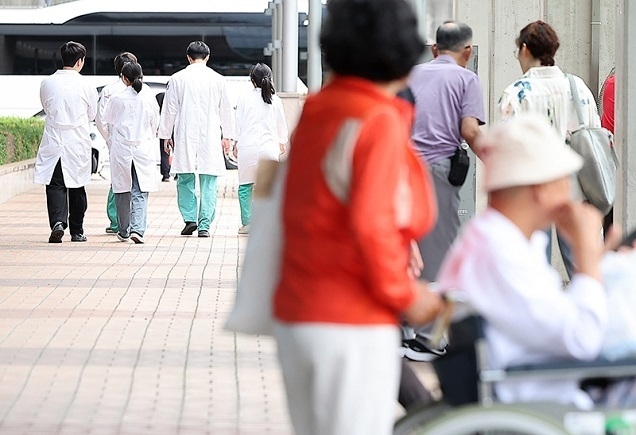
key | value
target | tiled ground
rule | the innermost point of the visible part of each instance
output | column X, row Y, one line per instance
column 106, row 337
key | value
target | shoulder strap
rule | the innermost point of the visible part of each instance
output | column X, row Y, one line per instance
column 575, row 96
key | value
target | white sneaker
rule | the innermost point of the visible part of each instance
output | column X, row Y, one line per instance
column 122, row 238
column 245, row 229
column 137, row 238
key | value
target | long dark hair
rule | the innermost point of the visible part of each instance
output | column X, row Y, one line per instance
column 261, row 75
column 132, row 71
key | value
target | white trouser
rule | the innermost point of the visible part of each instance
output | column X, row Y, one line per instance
column 340, row 379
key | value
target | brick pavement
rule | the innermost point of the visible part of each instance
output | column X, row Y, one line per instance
column 107, row 337
column 104, row 337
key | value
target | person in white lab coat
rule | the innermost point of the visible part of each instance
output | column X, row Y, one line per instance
column 196, row 107
column 63, row 161
column 107, row 92
column 261, row 132
column 131, row 120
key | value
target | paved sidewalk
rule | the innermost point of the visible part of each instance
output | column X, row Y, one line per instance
column 107, row 337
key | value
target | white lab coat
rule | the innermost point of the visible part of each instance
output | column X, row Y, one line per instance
column 260, row 129
column 131, row 121
column 70, row 103
column 104, row 96
column 197, row 107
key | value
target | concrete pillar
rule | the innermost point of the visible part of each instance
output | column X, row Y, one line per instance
column 290, row 45
column 314, row 58
column 625, row 128
column 595, row 46
column 277, row 33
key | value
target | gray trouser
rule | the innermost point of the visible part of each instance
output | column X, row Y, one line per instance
column 131, row 209
column 435, row 245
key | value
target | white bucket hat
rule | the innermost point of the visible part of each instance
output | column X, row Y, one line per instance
column 525, row 151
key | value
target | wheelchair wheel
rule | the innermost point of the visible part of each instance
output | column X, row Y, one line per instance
column 412, row 422
column 495, row 420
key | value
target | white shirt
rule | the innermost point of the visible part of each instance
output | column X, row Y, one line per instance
column 131, row 120
column 529, row 318
column 260, row 129
column 70, row 103
column 197, row 107
column 546, row 90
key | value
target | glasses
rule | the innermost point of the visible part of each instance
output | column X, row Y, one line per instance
column 516, row 53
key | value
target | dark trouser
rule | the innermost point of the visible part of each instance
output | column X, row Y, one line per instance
column 165, row 159
column 65, row 204
column 566, row 252
column 436, row 244
column 412, row 393
column 608, row 221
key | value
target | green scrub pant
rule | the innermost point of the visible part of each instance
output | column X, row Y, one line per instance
column 245, row 201
column 187, row 199
column 111, row 210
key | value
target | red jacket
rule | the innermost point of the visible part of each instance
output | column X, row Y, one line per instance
column 345, row 261
column 607, row 120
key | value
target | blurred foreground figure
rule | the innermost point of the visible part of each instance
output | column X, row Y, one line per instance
column 499, row 261
column 355, row 198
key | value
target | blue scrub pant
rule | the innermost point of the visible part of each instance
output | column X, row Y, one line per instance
column 111, row 210
column 203, row 215
column 245, row 202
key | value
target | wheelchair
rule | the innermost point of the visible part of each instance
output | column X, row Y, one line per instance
column 469, row 405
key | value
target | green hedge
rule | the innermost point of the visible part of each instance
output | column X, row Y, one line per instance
column 19, row 138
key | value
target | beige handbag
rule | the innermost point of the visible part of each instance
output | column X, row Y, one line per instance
column 598, row 175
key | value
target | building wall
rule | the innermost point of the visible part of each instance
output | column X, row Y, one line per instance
column 31, row 3
column 496, row 23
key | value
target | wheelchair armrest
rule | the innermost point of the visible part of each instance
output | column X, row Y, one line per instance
column 598, row 368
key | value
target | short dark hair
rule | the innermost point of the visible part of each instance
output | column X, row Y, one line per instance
column 123, row 58
column 71, row 52
column 542, row 41
column 453, row 36
column 198, row 50
column 373, row 39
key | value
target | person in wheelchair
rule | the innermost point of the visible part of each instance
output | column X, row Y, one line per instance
column 499, row 265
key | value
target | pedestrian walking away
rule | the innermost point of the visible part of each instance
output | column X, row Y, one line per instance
column 132, row 118
column 105, row 94
column 449, row 108
column 63, row 161
column 545, row 89
column 164, row 152
column 197, row 109
column 261, row 132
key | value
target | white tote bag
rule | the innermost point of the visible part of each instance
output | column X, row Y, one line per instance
column 260, row 272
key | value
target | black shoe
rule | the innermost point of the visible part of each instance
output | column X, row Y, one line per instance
column 57, row 233
column 204, row 233
column 176, row 176
column 418, row 349
column 190, row 227
column 165, row 179
column 78, row 238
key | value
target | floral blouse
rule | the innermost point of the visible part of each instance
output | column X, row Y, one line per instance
column 546, row 90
